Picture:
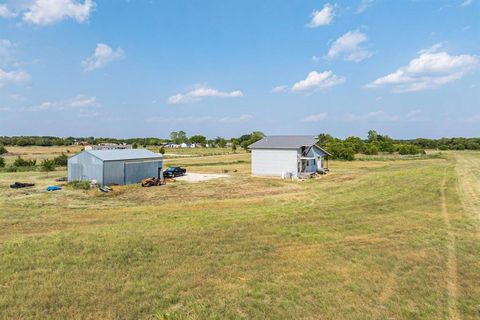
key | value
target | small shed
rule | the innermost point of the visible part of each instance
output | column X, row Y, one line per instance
column 115, row 166
column 287, row 156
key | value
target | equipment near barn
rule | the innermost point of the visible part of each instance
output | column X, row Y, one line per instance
column 152, row 182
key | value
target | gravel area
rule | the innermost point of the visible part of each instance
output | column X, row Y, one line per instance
column 199, row 177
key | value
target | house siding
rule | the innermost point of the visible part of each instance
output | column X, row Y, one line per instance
column 312, row 165
column 274, row 162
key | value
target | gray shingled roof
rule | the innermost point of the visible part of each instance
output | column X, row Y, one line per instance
column 284, row 142
column 124, row 154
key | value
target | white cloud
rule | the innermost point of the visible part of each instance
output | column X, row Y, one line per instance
column 200, row 92
column 15, row 76
column 364, row 5
column 349, row 47
column 6, row 13
column 4, row 109
column 373, row 116
column 323, row 17
column 81, row 102
column 102, row 56
column 318, row 80
column 279, row 89
column 192, row 119
column 431, row 69
column 44, row 12
column 315, row 117
column 466, row 3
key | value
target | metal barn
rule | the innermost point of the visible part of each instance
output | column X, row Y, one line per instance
column 115, row 166
column 287, row 156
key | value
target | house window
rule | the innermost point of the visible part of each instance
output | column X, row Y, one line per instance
column 314, row 162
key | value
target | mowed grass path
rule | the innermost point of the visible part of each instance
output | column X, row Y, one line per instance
column 372, row 240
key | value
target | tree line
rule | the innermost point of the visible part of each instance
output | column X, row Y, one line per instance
column 176, row 137
column 374, row 144
column 345, row 149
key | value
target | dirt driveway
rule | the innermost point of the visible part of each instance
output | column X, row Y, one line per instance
column 199, row 177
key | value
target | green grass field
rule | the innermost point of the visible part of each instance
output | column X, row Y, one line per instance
column 376, row 239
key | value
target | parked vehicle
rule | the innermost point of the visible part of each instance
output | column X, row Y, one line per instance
column 173, row 172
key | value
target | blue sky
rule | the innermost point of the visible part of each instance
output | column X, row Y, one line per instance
column 145, row 68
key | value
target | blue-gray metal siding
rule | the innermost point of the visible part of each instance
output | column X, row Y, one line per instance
column 113, row 172
column 84, row 166
column 137, row 170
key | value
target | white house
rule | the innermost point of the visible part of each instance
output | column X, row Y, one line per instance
column 287, row 156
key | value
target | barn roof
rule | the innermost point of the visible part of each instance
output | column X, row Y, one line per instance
column 124, row 154
column 284, row 142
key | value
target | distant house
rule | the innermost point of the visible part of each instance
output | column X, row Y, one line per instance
column 287, row 156
column 115, row 166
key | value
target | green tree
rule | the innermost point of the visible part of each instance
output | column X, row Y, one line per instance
column 386, row 145
column 247, row 139
column 3, row 150
column 178, row 137
column 256, row 135
column 371, row 149
column 20, row 162
column 47, row 166
column 324, row 138
column 134, row 146
column 220, row 142
column 61, row 160
column 2, row 162
column 355, row 143
column 340, row 151
column 409, row 149
column 372, row 136
column 22, row 142
column 162, row 150
column 198, row 139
